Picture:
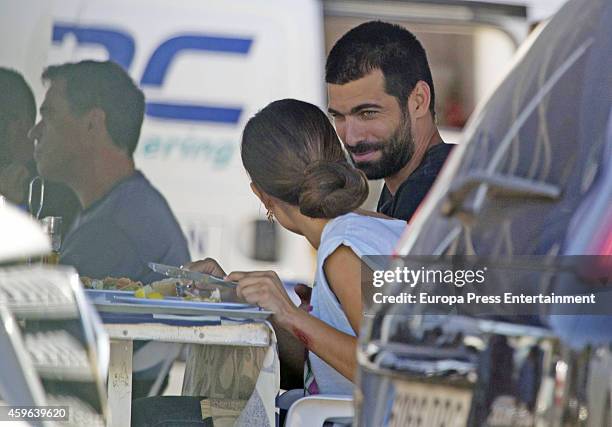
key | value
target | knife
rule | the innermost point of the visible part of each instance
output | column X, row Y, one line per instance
column 181, row 273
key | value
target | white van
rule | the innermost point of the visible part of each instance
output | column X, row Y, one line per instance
column 206, row 66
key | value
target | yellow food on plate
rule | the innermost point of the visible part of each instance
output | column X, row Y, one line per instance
column 155, row 295
column 148, row 292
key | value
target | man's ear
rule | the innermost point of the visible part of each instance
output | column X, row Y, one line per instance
column 418, row 101
column 96, row 120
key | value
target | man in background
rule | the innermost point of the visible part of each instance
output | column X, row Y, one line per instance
column 89, row 128
column 381, row 99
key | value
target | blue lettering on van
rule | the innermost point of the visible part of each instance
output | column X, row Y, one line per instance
column 157, row 67
column 121, row 46
column 198, row 113
column 218, row 153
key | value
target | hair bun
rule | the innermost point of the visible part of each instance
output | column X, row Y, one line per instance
column 331, row 189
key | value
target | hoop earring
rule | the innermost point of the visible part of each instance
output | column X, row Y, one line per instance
column 270, row 216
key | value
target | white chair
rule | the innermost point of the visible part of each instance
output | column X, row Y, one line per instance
column 314, row 411
column 54, row 348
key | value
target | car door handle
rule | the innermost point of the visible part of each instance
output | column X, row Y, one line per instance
column 503, row 185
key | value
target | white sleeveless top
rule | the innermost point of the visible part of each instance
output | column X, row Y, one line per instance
column 365, row 235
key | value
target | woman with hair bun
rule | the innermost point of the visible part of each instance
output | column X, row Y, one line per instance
column 300, row 173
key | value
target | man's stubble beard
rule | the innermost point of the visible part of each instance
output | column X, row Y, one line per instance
column 396, row 152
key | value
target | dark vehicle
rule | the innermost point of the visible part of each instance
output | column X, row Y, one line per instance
column 532, row 181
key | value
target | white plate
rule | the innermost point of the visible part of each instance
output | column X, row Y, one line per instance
column 106, row 294
column 156, row 310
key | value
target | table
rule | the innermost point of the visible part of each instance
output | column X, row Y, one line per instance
column 256, row 334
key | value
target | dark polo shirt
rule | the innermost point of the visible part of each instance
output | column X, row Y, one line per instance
column 414, row 189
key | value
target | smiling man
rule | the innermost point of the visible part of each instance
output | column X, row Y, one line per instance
column 381, row 99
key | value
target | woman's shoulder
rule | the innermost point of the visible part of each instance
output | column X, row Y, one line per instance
column 359, row 222
column 372, row 233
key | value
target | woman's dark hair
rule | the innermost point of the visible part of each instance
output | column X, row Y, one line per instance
column 291, row 151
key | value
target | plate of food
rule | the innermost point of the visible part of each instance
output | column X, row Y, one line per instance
column 173, row 292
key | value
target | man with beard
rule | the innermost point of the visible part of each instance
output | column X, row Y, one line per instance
column 381, row 99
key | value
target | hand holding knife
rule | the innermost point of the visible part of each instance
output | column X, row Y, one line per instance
column 200, row 278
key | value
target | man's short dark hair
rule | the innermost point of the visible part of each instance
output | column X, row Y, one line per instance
column 16, row 102
column 105, row 85
column 381, row 45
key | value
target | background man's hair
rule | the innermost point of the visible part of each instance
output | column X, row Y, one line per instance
column 388, row 47
column 16, row 103
column 105, row 85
